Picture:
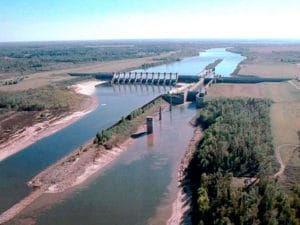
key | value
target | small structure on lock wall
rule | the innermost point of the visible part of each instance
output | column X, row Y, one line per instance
column 149, row 120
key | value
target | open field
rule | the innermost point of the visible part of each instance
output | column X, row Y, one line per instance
column 271, row 70
column 44, row 78
column 30, row 65
column 20, row 127
column 270, row 60
column 285, row 115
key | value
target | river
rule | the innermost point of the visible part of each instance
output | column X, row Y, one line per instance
column 134, row 186
column 194, row 65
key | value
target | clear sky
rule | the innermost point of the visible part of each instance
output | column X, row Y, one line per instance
column 33, row 20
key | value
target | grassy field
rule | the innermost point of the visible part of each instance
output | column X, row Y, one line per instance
column 271, row 70
column 44, row 78
column 285, row 115
column 30, row 65
column 270, row 60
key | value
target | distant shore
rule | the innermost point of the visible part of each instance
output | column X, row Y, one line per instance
column 22, row 139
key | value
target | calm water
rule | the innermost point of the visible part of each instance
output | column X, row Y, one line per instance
column 194, row 65
column 126, row 179
column 129, row 191
column 21, row 167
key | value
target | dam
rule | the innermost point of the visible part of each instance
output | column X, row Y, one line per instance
column 105, row 198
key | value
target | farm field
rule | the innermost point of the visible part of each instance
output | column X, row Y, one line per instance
column 285, row 117
column 40, row 79
column 270, row 60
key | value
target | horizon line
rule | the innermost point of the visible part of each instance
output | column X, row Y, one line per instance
column 157, row 39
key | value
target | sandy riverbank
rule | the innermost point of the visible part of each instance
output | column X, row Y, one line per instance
column 30, row 135
column 85, row 161
column 181, row 207
column 77, row 167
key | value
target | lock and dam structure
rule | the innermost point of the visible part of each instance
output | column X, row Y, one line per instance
column 191, row 88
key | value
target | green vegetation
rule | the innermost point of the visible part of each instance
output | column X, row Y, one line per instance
column 127, row 125
column 50, row 97
column 213, row 65
column 25, row 58
column 13, row 81
column 237, row 142
column 39, row 56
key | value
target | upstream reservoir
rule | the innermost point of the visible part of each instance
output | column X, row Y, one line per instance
column 133, row 187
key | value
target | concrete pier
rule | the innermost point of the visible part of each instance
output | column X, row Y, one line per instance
column 149, row 121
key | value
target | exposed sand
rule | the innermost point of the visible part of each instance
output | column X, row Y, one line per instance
column 105, row 159
column 87, row 87
column 182, row 205
column 70, row 171
column 30, row 135
column 44, row 78
column 17, row 208
column 83, row 168
column 179, row 209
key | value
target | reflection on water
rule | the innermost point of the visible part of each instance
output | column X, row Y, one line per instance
column 16, row 170
column 150, row 140
column 194, row 65
column 130, row 190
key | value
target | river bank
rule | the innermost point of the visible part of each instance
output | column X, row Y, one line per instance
column 83, row 162
column 80, row 164
column 181, row 207
column 29, row 135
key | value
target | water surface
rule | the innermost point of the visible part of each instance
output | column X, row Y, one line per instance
column 18, row 169
column 130, row 179
column 129, row 191
column 194, row 65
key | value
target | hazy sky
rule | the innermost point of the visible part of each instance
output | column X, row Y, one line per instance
column 30, row 20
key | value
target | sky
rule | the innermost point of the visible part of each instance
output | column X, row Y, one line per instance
column 46, row 20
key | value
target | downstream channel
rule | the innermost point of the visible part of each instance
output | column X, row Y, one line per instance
column 133, row 187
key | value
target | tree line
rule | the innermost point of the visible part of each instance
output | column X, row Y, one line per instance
column 237, row 144
column 49, row 97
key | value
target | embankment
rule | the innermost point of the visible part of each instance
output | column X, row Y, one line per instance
column 181, row 207
column 94, row 155
column 213, row 65
column 29, row 135
column 76, row 167
column 246, row 79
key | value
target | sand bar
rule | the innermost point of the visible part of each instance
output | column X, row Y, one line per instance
column 32, row 134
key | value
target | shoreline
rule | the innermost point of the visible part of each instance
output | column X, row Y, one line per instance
column 32, row 134
column 83, row 162
column 87, row 87
column 75, row 168
column 181, row 206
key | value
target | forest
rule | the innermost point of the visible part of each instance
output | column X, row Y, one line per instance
column 48, row 97
column 25, row 58
column 237, row 145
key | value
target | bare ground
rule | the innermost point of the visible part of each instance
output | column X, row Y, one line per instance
column 21, row 129
column 182, row 205
column 270, row 70
column 76, row 167
column 44, row 78
column 285, row 118
column 272, row 61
